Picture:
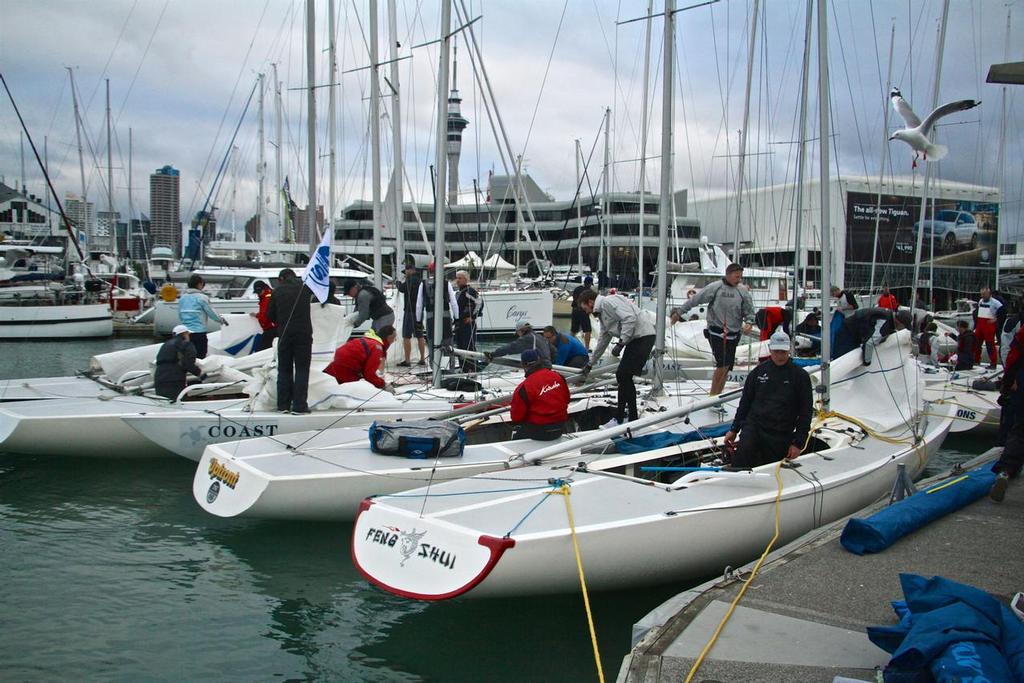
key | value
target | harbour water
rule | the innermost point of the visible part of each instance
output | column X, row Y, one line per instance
column 111, row 572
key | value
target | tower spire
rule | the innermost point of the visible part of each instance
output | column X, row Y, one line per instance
column 456, row 124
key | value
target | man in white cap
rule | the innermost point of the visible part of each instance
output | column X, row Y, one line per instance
column 175, row 359
column 775, row 410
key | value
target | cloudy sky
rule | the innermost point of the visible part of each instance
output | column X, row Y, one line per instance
column 181, row 72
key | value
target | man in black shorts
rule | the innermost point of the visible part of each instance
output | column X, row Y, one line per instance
column 412, row 316
column 580, row 319
column 730, row 312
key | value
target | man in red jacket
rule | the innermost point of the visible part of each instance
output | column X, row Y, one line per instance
column 363, row 358
column 888, row 300
column 264, row 292
column 540, row 404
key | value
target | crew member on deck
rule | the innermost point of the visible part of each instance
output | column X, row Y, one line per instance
column 540, row 404
column 175, row 359
column 525, row 339
column 730, row 311
column 888, row 300
column 988, row 313
column 622, row 319
column 264, row 292
column 569, row 350
column 774, row 415
column 580, row 320
column 363, row 358
column 195, row 311
column 370, row 305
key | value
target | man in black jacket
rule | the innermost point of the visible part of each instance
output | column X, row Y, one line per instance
column 175, row 359
column 775, row 410
column 289, row 309
column 470, row 308
column 412, row 317
column 370, row 304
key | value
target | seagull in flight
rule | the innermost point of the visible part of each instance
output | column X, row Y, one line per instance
column 916, row 132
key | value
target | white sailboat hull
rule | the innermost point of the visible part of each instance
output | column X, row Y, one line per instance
column 74, row 321
column 628, row 534
column 503, row 310
column 334, row 470
column 38, row 388
column 188, row 434
column 91, row 428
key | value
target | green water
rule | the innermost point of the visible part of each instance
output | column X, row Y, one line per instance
column 112, row 572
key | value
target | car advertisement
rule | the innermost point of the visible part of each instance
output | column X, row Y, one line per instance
column 956, row 232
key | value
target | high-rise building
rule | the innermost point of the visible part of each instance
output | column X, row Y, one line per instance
column 165, row 209
column 253, row 230
column 456, row 124
column 302, row 223
column 101, row 236
column 83, row 216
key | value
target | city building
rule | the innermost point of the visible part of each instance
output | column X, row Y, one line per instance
column 26, row 217
column 165, row 209
column 82, row 215
column 958, row 252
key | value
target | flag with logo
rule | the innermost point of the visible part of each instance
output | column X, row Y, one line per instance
column 318, row 271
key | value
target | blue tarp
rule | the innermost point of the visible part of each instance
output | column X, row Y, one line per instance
column 650, row 442
column 877, row 532
column 948, row 632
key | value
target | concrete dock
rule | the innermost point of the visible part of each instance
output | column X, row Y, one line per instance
column 805, row 614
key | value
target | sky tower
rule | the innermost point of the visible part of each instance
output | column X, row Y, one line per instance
column 456, row 124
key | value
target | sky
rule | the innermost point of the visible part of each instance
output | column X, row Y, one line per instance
column 181, row 72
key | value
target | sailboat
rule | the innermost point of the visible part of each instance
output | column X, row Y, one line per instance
column 664, row 514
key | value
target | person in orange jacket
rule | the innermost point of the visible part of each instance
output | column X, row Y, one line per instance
column 363, row 358
column 888, row 300
column 264, row 292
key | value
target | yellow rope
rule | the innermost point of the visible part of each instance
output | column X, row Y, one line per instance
column 564, row 491
column 746, row 584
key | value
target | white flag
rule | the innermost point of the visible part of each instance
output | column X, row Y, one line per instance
column 318, row 271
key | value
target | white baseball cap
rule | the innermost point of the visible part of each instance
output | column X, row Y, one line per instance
column 179, row 329
column 779, row 341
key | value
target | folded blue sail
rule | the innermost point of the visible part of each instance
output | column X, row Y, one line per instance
column 876, row 533
column 950, row 631
column 650, row 442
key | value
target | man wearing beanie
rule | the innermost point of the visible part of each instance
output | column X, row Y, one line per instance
column 540, row 404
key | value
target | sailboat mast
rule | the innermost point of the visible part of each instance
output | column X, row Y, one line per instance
column 881, row 170
column 606, row 228
column 396, row 138
column 826, row 228
column 801, row 163
column 643, row 155
column 111, row 221
column 928, row 165
column 311, row 122
column 441, row 162
column 1001, row 163
column 665, row 208
column 743, row 131
column 332, row 116
column 84, row 226
column 261, row 163
column 375, row 142
column 278, row 178
column 579, row 212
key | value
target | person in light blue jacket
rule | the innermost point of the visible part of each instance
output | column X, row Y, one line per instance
column 195, row 311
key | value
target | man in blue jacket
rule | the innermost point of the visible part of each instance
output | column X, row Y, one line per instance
column 569, row 351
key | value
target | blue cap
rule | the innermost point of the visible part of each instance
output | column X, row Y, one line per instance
column 529, row 356
column 588, row 281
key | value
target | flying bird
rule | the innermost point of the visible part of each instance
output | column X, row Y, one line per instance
column 917, row 131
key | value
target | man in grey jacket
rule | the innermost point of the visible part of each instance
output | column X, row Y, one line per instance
column 525, row 339
column 730, row 310
column 621, row 318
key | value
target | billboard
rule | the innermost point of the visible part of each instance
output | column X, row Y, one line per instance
column 956, row 232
